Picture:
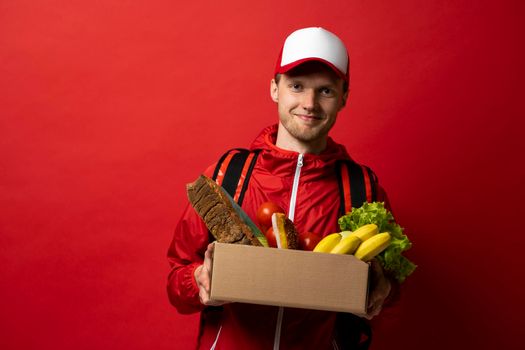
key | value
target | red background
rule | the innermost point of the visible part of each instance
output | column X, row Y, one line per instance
column 109, row 107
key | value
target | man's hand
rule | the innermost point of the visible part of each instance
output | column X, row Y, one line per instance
column 203, row 278
column 379, row 291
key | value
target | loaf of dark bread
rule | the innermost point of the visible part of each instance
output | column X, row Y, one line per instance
column 216, row 210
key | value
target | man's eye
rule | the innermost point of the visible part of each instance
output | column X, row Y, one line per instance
column 296, row 87
column 327, row 91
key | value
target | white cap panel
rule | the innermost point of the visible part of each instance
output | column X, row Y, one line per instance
column 315, row 42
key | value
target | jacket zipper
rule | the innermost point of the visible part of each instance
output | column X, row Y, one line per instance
column 291, row 216
column 295, row 186
column 216, row 339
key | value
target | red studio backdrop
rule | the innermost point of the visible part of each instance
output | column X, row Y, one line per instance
column 109, row 108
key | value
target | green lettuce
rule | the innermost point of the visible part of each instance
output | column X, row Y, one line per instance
column 391, row 258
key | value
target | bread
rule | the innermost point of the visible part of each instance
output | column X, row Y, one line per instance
column 214, row 207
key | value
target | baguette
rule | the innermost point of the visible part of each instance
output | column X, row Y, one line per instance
column 214, row 207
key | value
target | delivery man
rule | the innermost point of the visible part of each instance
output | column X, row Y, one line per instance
column 294, row 169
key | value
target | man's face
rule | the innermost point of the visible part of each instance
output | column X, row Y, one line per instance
column 308, row 99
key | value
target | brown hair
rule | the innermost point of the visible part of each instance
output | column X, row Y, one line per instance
column 345, row 83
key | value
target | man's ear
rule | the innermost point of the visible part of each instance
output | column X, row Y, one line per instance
column 274, row 91
column 345, row 98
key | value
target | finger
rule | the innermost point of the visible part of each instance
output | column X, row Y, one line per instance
column 372, row 300
column 373, row 312
column 205, row 285
column 197, row 274
column 387, row 289
column 206, row 275
column 213, row 302
column 373, row 306
column 205, row 299
column 205, row 279
column 202, row 278
column 207, row 267
column 379, row 294
column 210, row 249
column 208, row 257
column 203, row 296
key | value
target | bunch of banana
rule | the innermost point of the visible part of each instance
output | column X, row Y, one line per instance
column 364, row 243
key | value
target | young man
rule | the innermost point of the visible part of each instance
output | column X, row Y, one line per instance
column 296, row 170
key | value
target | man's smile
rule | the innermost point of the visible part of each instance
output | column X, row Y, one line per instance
column 308, row 117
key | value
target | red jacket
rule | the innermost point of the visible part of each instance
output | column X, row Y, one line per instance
column 246, row 326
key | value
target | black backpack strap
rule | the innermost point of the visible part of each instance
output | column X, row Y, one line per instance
column 372, row 177
column 357, row 184
column 233, row 171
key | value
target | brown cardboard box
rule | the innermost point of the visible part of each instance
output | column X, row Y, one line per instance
column 291, row 278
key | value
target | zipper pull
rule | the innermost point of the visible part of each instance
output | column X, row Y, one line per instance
column 300, row 160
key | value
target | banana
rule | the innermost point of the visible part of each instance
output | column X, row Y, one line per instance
column 347, row 245
column 365, row 232
column 328, row 243
column 372, row 246
column 345, row 234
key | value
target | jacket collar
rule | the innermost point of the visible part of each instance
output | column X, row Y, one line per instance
column 283, row 161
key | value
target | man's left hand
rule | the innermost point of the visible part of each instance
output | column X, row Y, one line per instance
column 379, row 291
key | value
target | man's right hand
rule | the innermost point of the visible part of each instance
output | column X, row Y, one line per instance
column 203, row 278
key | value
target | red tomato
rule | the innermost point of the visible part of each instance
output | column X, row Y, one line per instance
column 308, row 240
column 264, row 214
column 270, row 236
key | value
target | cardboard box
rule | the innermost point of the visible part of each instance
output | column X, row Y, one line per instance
column 291, row 278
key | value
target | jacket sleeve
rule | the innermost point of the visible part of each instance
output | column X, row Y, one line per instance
column 185, row 254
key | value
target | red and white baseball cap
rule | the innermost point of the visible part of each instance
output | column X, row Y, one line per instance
column 313, row 44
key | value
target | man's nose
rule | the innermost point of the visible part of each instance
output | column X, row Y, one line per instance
column 309, row 101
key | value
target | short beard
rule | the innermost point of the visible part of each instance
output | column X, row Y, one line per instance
column 309, row 135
